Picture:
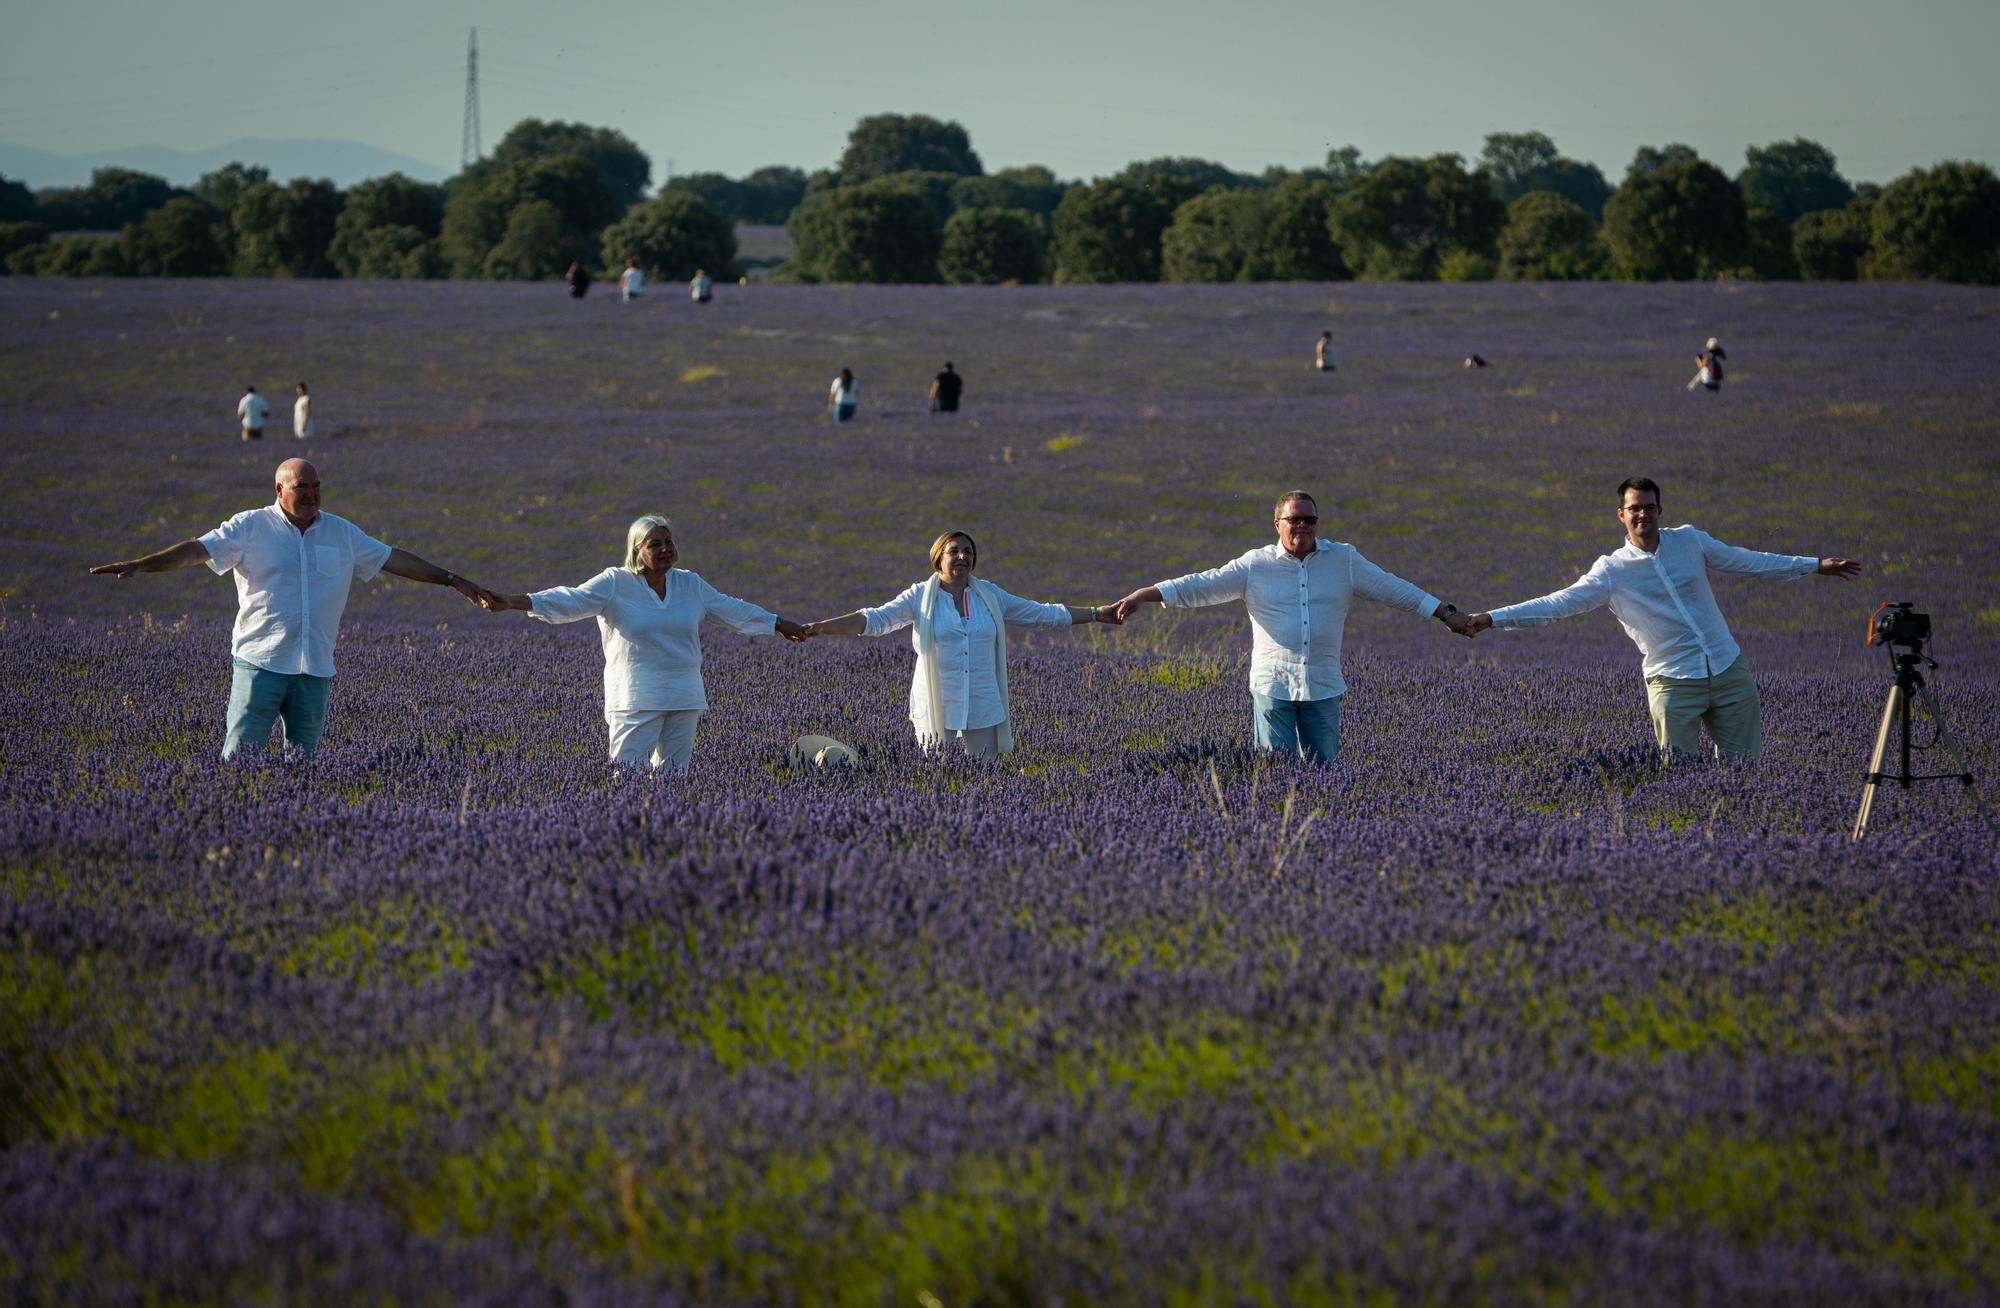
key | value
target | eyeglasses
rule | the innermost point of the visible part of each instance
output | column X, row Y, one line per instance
column 1301, row 519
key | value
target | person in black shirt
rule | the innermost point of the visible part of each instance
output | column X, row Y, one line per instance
column 944, row 390
column 578, row 278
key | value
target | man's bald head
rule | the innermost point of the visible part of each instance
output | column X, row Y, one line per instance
column 298, row 491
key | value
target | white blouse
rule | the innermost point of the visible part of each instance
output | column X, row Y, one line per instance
column 967, row 650
column 652, row 645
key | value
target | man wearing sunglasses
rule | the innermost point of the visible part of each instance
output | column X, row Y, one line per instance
column 1656, row 584
column 1297, row 593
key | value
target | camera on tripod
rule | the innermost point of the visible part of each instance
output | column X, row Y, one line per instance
column 1899, row 624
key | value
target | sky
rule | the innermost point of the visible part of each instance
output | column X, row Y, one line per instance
column 1083, row 86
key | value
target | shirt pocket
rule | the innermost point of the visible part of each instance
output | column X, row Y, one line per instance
column 327, row 561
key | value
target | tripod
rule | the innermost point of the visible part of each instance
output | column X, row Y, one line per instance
column 1896, row 717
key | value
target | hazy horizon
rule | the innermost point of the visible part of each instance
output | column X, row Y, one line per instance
column 1084, row 91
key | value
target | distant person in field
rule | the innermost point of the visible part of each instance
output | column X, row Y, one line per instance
column 1474, row 361
column 293, row 566
column 632, row 281
column 251, row 411
column 840, row 397
column 578, row 279
column 946, row 387
column 1708, row 369
column 1297, row 592
column 302, row 415
column 1323, row 353
column 1656, row 585
column 959, row 628
column 649, row 616
column 700, row 290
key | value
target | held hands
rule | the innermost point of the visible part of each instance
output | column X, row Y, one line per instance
column 793, row 632
column 1126, row 607
column 1107, row 613
column 476, row 594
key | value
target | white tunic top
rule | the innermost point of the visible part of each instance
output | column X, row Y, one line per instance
column 1663, row 599
column 291, row 585
column 968, row 650
column 1298, row 611
column 652, row 645
column 302, row 416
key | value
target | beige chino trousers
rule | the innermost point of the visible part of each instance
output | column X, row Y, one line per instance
column 1725, row 703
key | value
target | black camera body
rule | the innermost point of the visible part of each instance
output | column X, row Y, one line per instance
column 1899, row 624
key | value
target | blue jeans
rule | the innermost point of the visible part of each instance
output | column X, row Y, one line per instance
column 258, row 697
column 1309, row 728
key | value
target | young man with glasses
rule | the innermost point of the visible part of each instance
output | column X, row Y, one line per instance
column 1656, row 585
column 1297, row 593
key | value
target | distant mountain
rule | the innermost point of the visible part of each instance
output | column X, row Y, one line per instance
column 341, row 162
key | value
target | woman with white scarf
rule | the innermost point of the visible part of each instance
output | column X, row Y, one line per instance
column 649, row 617
column 959, row 628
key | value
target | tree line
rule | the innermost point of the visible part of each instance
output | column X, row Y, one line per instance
column 910, row 201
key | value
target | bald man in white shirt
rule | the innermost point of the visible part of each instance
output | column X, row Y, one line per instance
column 1656, row 585
column 293, row 566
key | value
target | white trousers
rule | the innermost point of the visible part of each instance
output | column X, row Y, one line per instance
column 979, row 742
column 642, row 738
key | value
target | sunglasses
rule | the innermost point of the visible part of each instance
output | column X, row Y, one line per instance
column 1302, row 519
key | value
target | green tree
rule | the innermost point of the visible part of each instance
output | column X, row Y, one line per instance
column 222, row 188
column 1767, row 247
column 622, row 167
column 1832, row 245
column 725, row 195
column 1549, row 239
column 1521, row 162
column 771, row 193
column 1345, row 168
column 1110, row 230
column 284, row 231
column 1791, row 178
column 1297, row 242
column 899, row 143
column 1199, row 174
column 17, row 202
column 1939, row 224
column 384, row 202
column 178, row 239
column 17, row 238
column 1033, row 188
column 933, row 188
column 1217, row 236
column 115, row 196
column 675, row 234
column 477, row 214
column 1681, row 220
column 988, row 247
column 1650, row 159
column 71, row 256
column 864, row 234
column 535, row 244
column 1400, row 221
column 390, row 253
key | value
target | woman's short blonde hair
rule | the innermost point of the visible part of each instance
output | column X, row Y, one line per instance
column 937, row 548
column 635, row 536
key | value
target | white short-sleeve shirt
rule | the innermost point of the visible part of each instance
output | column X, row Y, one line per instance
column 252, row 410
column 291, row 585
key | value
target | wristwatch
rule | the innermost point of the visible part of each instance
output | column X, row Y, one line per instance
column 1445, row 612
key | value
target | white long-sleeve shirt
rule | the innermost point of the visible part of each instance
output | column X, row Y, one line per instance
column 1298, row 611
column 967, row 649
column 652, row 645
column 291, row 585
column 1662, row 599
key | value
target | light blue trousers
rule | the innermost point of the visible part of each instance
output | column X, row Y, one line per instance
column 259, row 697
column 1309, row 728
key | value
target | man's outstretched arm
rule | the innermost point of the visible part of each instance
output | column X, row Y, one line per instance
column 1845, row 569
column 402, row 563
column 184, row 555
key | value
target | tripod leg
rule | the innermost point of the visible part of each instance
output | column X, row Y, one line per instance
column 1946, row 739
column 1869, row 786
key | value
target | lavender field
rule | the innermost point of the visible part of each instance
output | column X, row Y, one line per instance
column 1498, row 1009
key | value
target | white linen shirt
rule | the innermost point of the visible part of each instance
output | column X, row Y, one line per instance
column 291, row 585
column 1662, row 599
column 968, row 681
column 252, row 410
column 652, row 644
column 1298, row 611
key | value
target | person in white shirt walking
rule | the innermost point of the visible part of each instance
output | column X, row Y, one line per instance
column 699, row 287
column 302, row 415
column 959, row 628
column 842, row 396
column 632, row 281
column 251, row 411
column 1297, row 592
column 293, row 566
column 649, row 617
column 1656, row 585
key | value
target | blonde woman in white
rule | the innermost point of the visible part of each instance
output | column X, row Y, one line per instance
column 649, row 616
column 959, row 628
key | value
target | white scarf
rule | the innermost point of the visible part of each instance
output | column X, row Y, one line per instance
column 927, row 707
